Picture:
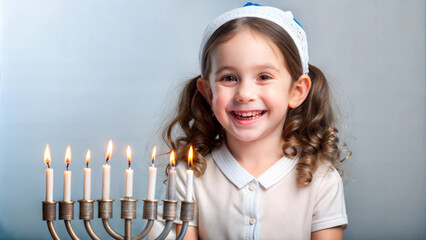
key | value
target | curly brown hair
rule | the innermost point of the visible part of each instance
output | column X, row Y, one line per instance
column 309, row 130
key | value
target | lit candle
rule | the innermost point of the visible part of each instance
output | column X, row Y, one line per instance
column 171, row 185
column 49, row 175
column 106, row 174
column 87, row 178
column 152, row 177
column 189, row 177
column 129, row 176
column 67, row 176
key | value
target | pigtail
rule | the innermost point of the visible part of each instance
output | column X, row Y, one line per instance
column 310, row 129
column 200, row 129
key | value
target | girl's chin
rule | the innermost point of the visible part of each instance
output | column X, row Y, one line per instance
column 242, row 138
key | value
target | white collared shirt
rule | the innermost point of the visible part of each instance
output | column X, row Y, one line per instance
column 232, row 204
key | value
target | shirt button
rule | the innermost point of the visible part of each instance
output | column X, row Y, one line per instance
column 252, row 186
column 252, row 221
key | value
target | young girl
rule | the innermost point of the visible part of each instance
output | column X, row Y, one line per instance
column 260, row 119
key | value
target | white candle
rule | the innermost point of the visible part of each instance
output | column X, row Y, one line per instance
column 171, row 183
column 67, row 185
column 67, row 176
column 189, row 177
column 87, row 178
column 49, row 175
column 49, row 184
column 189, row 185
column 128, row 187
column 106, row 181
column 129, row 183
column 151, row 182
column 171, row 186
column 152, row 177
column 106, row 174
column 87, row 183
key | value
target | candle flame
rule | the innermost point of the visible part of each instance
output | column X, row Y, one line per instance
column 190, row 157
column 88, row 157
column 172, row 159
column 68, row 156
column 129, row 154
column 109, row 151
column 154, row 151
column 47, row 158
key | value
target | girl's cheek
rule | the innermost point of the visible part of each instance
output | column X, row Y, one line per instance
column 216, row 103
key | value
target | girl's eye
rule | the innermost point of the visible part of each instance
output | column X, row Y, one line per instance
column 229, row 78
column 264, row 77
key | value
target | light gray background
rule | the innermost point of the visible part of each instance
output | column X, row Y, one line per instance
column 81, row 72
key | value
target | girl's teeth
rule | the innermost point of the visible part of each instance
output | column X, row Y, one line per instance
column 248, row 115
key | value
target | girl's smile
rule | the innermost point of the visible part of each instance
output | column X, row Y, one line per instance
column 247, row 117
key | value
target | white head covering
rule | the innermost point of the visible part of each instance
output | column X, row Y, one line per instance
column 283, row 19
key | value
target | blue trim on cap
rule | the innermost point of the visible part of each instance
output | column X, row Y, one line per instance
column 297, row 22
column 251, row 4
column 255, row 4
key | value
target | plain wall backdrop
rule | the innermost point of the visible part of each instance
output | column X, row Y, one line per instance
column 80, row 73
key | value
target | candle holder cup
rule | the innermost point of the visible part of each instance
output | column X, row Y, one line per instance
column 49, row 211
column 86, row 209
column 169, row 210
column 128, row 208
column 66, row 210
column 105, row 208
column 150, row 209
column 187, row 211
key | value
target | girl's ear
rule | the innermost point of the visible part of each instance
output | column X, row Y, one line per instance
column 299, row 91
column 203, row 86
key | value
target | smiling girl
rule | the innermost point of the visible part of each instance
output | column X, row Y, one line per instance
column 260, row 119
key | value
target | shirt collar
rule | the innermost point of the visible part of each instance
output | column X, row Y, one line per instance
column 240, row 177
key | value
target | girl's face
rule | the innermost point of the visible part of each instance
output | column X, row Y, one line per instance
column 249, row 87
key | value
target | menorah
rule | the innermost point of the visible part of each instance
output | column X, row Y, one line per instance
column 128, row 212
column 128, row 204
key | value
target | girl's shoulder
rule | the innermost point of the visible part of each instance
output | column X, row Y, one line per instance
column 326, row 172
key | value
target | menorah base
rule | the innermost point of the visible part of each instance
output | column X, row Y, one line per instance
column 128, row 212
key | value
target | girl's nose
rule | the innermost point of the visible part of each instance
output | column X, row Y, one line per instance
column 245, row 92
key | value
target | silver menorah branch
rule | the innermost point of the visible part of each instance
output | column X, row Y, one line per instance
column 128, row 212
